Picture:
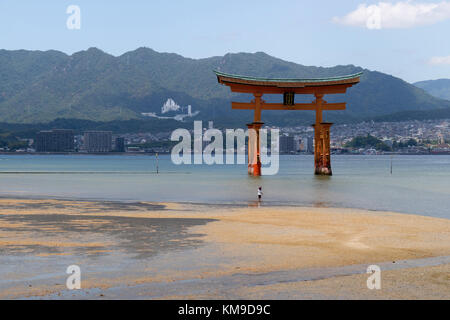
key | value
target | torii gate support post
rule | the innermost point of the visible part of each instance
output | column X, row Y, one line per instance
column 254, row 151
column 254, row 143
column 322, row 149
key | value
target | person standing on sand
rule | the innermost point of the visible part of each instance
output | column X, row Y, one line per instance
column 260, row 193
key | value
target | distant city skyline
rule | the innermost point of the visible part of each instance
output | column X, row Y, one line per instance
column 407, row 39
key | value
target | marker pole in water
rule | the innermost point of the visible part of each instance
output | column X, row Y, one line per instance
column 157, row 166
column 392, row 157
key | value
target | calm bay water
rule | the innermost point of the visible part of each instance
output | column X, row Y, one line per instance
column 419, row 184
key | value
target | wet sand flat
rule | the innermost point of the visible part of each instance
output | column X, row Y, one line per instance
column 167, row 250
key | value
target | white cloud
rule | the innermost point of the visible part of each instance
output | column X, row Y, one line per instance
column 405, row 14
column 440, row 60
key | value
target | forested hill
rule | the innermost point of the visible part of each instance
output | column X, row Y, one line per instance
column 439, row 88
column 37, row 87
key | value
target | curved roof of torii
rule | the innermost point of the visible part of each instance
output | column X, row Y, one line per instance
column 230, row 79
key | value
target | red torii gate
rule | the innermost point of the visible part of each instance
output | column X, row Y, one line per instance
column 289, row 88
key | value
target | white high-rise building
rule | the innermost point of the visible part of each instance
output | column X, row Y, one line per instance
column 170, row 105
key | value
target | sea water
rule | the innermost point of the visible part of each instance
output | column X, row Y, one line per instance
column 418, row 184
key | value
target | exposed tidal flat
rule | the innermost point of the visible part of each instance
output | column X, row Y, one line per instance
column 197, row 232
column 171, row 251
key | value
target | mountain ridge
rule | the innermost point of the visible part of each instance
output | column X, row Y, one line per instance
column 439, row 88
column 41, row 86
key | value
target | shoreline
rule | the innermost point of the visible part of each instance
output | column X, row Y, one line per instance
column 221, row 204
column 148, row 245
column 439, row 153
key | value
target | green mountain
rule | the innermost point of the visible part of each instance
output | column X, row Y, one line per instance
column 438, row 88
column 435, row 114
column 37, row 87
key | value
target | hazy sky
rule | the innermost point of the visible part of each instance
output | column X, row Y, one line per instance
column 408, row 39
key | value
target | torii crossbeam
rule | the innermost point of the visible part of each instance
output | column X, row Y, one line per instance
column 289, row 88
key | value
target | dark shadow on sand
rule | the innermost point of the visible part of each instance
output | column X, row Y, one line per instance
column 141, row 237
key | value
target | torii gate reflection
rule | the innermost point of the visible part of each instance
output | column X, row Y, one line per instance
column 289, row 88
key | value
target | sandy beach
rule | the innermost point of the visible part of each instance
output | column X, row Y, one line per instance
column 170, row 250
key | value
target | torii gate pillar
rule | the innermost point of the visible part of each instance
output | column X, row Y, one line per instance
column 254, row 148
column 322, row 149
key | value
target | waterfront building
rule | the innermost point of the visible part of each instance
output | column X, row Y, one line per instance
column 309, row 145
column 58, row 140
column 98, row 141
column 297, row 143
column 120, row 144
column 287, row 144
